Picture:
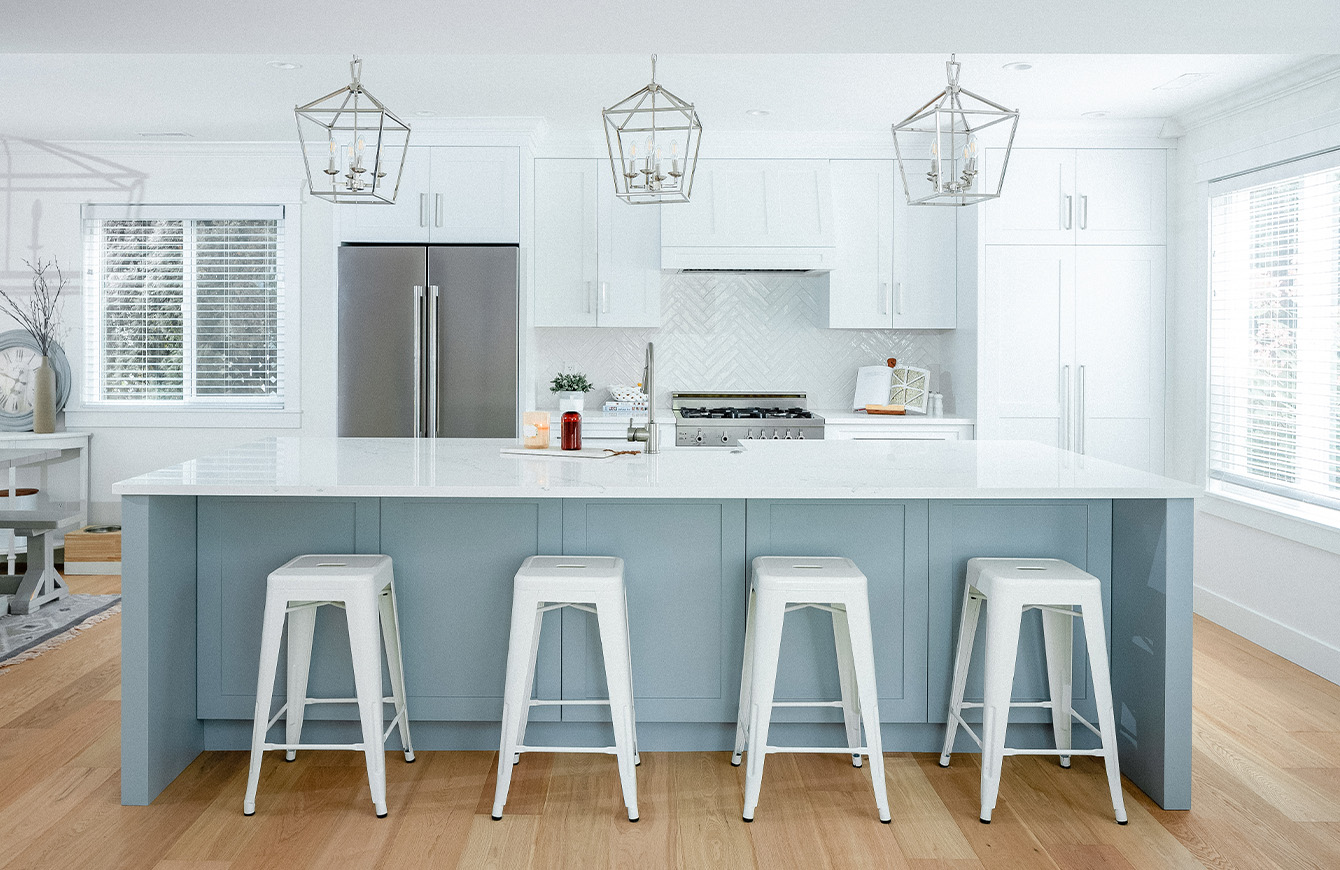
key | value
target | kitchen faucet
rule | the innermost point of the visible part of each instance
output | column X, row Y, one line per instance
column 647, row 433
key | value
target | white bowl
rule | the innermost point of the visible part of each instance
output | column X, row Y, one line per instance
column 621, row 393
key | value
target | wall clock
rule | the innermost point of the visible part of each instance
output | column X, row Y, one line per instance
column 19, row 358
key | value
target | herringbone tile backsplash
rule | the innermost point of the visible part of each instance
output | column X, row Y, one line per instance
column 734, row 332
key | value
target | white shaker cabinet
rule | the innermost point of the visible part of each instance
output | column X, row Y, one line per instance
column 597, row 258
column 447, row 194
column 753, row 203
column 1086, row 196
column 896, row 264
column 1072, row 349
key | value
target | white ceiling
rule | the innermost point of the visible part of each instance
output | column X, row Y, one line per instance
column 241, row 98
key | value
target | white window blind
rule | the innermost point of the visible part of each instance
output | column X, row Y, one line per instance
column 188, row 304
column 1275, row 334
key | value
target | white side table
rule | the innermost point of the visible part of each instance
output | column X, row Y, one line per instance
column 47, row 453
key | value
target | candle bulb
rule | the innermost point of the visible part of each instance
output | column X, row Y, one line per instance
column 331, row 169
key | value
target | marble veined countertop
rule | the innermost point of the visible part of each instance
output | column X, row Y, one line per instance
column 474, row 468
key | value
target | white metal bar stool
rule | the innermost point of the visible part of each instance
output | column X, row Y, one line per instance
column 781, row 584
column 593, row 584
column 1054, row 587
column 362, row 586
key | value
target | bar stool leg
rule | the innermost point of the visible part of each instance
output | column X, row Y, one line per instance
column 395, row 665
column 746, row 682
column 967, row 631
column 614, row 647
column 1002, row 646
column 767, row 644
column 857, row 617
column 525, row 707
column 1096, row 637
column 516, row 691
column 363, row 646
column 272, row 632
column 1058, row 632
column 637, row 758
column 301, row 626
column 851, row 705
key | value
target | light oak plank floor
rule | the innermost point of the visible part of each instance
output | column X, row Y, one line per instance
column 1266, row 794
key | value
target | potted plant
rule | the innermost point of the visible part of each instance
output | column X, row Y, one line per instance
column 571, row 389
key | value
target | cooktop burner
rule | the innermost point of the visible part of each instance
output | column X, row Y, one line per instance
column 755, row 413
column 717, row 419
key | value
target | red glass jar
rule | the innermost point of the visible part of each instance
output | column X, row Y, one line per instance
column 570, row 433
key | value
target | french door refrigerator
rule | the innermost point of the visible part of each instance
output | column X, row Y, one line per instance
column 428, row 341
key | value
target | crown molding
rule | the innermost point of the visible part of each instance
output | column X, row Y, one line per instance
column 1305, row 76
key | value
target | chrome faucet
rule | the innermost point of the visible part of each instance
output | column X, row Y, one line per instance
column 647, row 433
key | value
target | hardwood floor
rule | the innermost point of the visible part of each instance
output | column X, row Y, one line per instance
column 1266, row 794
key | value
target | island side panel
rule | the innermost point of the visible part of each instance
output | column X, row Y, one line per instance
column 1151, row 642
column 160, row 734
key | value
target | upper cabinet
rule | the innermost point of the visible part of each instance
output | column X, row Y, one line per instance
column 449, row 194
column 1090, row 196
column 896, row 265
column 597, row 258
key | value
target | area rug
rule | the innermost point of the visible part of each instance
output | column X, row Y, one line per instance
column 26, row 637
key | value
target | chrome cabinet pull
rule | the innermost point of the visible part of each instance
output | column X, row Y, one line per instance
column 423, row 209
column 437, row 209
column 1065, row 405
column 898, row 297
column 884, row 297
column 1084, row 212
column 604, row 297
column 588, row 297
column 432, row 360
column 1069, row 210
column 1079, row 417
column 418, row 360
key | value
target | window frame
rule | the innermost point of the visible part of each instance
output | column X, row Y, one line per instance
column 222, row 412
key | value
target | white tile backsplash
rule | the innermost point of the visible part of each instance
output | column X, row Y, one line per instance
column 736, row 332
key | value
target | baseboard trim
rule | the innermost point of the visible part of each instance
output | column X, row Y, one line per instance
column 1316, row 655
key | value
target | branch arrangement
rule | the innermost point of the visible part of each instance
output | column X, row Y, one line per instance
column 41, row 317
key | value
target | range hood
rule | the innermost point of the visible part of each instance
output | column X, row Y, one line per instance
column 752, row 216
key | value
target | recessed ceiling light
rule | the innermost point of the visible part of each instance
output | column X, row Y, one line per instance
column 1018, row 66
column 284, row 64
column 758, row 113
column 425, row 114
column 1185, row 80
column 1098, row 114
column 165, row 134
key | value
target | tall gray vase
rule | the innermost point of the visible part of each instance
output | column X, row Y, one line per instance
column 44, row 398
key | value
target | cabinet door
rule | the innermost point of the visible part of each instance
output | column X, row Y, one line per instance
column 1121, row 196
column 1025, row 364
column 754, row 203
column 1037, row 204
column 684, row 568
column 629, row 258
column 476, row 195
column 925, row 265
column 565, row 242
column 887, row 541
column 407, row 220
column 1119, row 308
column 860, row 288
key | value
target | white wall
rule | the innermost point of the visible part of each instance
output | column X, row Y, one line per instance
column 42, row 186
column 1268, row 586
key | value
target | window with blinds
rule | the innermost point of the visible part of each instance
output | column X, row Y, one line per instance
column 1275, row 333
column 186, row 306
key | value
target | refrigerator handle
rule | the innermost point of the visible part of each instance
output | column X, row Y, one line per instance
column 418, row 360
column 432, row 360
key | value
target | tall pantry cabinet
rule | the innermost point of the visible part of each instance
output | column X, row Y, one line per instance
column 1071, row 318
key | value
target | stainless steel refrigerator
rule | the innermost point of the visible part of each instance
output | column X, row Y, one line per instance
column 428, row 341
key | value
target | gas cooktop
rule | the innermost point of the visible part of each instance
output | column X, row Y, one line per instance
column 723, row 419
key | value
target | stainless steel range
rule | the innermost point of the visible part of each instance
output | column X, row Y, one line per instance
column 722, row 419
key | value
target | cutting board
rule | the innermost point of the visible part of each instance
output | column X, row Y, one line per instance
column 555, row 453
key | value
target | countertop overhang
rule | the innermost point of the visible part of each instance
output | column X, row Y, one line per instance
column 474, row 468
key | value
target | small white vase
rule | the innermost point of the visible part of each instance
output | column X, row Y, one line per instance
column 571, row 401
column 44, row 398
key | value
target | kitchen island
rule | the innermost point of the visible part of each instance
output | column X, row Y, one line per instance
column 458, row 518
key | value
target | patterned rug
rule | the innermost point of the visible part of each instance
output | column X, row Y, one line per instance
column 26, row 637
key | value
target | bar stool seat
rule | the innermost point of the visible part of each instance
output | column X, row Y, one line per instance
column 1009, row 587
column 362, row 586
column 779, row 585
column 594, row 584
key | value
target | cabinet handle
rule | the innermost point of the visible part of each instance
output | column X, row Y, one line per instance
column 884, row 298
column 898, row 297
column 423, row 209
column 432, row 360
column 437, row 209
column 588, row 297
column 604, row 297
column 1065, row 405
column 418, row 360
column 1069, row 210
column 1084, row 212
column 1079, row 418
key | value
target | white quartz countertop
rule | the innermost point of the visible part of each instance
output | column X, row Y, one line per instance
column 847, row 417
column 474, row 468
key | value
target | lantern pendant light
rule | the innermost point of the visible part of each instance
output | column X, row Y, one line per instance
column 953, row 130
column 354, row 147
column 652, row 137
